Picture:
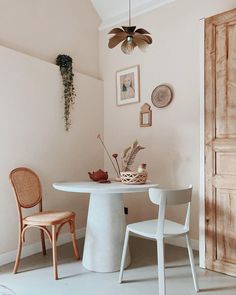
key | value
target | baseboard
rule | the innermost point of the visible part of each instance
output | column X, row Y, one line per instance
column 28, row 250
column 181, row 242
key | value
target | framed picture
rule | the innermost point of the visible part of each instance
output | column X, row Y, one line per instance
column 127, row 86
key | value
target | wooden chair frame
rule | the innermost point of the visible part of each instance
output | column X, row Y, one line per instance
column 56, row 226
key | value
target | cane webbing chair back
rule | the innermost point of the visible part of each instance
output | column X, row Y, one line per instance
column 27, row 187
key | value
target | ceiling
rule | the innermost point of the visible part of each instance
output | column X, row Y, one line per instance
column 114, row 11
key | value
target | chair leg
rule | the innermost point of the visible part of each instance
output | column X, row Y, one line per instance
column 191, row 258
column 161, row 266
column 74, row 241
column 43, row 242
column 124, row 255
column 19, row 249
column 54, row 251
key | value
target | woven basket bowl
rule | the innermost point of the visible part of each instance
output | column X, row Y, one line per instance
column 133, row 177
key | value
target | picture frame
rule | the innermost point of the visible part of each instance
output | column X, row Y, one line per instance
column 145, row 117
column 128, row 85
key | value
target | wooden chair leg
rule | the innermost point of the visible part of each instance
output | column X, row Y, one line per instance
column 43, row 242
column 74, row 241
column 54, row 251
column 19, row 249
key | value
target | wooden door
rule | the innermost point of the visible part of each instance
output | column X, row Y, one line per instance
column 220, row 142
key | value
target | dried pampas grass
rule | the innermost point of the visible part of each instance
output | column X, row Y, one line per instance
column 129, row 156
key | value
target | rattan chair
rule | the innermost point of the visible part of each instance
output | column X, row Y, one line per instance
column 27, row 188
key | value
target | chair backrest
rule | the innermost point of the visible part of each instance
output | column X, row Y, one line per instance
column 170, row 196
column 26, row 186
column 173, row 196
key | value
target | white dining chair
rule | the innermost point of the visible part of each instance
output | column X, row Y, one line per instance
column 161, row 228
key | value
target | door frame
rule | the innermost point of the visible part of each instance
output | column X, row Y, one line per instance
column 202, row 238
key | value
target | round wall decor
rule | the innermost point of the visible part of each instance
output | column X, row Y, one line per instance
column 162, row 96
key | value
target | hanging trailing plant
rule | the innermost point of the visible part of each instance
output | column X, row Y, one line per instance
column 65, row 63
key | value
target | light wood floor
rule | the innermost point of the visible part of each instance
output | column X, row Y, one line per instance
column 36, row 276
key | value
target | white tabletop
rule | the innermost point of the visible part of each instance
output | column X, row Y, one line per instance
column 108, row 188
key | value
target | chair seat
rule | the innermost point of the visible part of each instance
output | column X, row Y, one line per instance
column 48, row 218
column 149, row 228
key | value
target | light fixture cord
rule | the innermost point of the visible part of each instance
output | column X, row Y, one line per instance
column 129, row 13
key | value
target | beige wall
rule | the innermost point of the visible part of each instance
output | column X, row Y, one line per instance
column 32, row 135
column 47, row 28
column 172, row 152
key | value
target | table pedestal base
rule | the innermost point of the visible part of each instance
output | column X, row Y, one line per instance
column 105, row 233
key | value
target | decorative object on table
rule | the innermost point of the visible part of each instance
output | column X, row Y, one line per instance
column 127, row 161
column 129, row 37
column 133, row 177
column 129, row 156
column 145, row 118
column 99, row 176
column 142, row 168
column 162, row 96
column 65, row 63
column 115, row 156
column 108, row 154
column 127, row 85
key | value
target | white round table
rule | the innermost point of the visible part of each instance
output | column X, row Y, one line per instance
column 106, row 223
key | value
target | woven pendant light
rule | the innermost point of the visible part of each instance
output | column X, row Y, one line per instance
column 130, row 37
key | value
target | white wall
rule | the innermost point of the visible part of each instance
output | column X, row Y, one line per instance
column 32, row 134
column 47, row 28
column 172, row 152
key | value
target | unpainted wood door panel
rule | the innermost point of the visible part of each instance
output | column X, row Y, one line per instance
column 220, row 142
column 225, row 225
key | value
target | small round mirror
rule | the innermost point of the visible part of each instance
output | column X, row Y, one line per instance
column 162, row 96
